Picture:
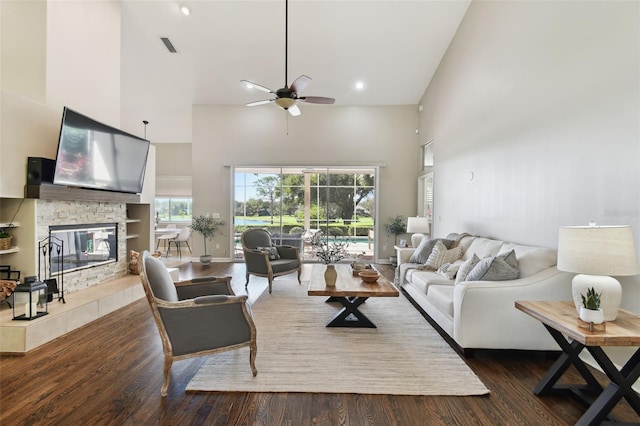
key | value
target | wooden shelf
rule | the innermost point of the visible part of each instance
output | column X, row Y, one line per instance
column 132, row 221
column 128, row 237
column 13, row 249
column 64, row 193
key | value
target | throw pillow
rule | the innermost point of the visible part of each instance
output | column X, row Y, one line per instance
column 424, row 249
column 272, row 252
column 465, row 268
column 441, row 255
column 449, row 270
column 496, row 268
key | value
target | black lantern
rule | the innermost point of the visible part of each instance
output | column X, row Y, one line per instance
column 30, row 300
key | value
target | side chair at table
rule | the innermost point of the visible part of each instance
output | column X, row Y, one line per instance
column 197, row 317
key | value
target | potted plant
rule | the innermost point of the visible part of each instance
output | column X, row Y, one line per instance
column 590, row 310
column 208, row 227
column 330, row 254
column 395, row 227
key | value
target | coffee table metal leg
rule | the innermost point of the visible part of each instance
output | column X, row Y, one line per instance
column 349, row 315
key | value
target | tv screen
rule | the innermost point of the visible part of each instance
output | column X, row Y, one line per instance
column 96, row 156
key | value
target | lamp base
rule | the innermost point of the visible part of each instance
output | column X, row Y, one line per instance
column 416, row 238
column 610, row 289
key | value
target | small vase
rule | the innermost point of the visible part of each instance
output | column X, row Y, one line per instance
column 205, row 259
column 330, row 276
column 591, row 315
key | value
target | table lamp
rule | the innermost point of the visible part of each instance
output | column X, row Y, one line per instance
column 418, row 226
column 595, row 253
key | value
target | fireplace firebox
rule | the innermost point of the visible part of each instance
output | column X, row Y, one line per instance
column 84, row 246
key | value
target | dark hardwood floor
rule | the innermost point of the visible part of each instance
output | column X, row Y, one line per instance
column 110, row 372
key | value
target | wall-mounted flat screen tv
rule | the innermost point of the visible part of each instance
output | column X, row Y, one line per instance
column 97, row 156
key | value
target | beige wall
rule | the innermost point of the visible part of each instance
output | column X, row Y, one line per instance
column 226, row 136
column 173, row 177
column 540, row 100
column 77, row 65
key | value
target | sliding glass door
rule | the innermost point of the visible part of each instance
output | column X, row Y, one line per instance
column 299, row 204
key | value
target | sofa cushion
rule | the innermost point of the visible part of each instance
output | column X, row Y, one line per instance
column 441, row 255
column 482, row 247
column 424, row 279
column 424, row 249
column 449, row 270
column 441, row 297
column 466, row 267
column 496, row 268
column 532, row 259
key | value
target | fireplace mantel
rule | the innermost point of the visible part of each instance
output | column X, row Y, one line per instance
column 64, row 193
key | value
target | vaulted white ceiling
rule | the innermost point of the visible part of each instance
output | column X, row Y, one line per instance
column 393, row 47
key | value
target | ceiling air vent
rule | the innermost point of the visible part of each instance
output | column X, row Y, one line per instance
column 168, row 44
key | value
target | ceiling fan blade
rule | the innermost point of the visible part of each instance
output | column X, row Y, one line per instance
column 317, row 100
column 253, row 85
column 294, row 110
column 266, row 101
column 300, row 83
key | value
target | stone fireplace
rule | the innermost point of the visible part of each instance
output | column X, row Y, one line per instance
column 53, row 214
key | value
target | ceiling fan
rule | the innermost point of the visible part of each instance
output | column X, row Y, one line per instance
column 287, row 98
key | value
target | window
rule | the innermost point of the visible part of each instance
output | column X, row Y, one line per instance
column 292, row 200
column 177, row 209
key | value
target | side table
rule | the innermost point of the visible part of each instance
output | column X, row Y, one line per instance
column 561, row 320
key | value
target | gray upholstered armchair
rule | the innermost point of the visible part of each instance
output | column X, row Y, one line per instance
column 197, row 317
column 266, row 260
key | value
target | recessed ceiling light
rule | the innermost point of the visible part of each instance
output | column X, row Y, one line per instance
column 185, row 10
column 359, row 85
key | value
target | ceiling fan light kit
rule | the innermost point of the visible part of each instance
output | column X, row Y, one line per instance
column 287, row 97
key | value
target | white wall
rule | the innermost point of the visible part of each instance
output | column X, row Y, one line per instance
column 323, row 135
column 80, row 63
column 541, row 101
column 173, row 177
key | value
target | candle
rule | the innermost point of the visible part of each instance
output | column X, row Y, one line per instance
column 27, row 311
column 34, row 309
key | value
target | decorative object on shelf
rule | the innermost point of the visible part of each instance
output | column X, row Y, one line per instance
column 208, row 227
column 330, row 275
column 595, row 253
column 418, row 226
column 590, row 310
column 30, row 299
column 5, row 240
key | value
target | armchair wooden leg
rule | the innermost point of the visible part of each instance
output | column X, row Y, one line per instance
column 252, row 358
column 247, row 283
column 299, row 270
column 270, row 278
column 168, row 360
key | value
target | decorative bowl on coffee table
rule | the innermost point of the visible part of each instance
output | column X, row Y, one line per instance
column 369, row 276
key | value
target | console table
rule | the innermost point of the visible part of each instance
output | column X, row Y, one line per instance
column 561, row 320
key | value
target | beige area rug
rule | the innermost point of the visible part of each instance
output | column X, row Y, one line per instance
column 404, row 355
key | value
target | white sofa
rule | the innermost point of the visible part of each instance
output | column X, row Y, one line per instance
column 481, row 314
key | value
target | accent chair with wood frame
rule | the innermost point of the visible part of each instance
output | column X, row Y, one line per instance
column 265, row 259
column 198, row 317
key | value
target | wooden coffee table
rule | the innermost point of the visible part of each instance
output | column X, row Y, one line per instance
column 351, row 292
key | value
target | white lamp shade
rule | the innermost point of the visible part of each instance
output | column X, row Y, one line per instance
column 597, row 250
column 595, row 253
column 418, row 225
